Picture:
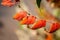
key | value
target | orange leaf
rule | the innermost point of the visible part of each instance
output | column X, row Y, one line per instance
column 39, row 24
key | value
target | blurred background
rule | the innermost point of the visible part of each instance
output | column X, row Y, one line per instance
column 11, row 29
